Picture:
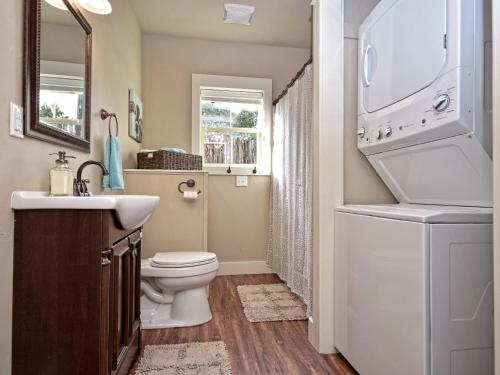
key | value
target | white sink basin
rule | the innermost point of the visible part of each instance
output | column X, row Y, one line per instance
column 131, row 210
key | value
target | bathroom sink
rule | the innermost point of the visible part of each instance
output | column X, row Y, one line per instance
column 132, row 211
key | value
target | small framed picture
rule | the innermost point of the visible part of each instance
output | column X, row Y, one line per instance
column 135, row 114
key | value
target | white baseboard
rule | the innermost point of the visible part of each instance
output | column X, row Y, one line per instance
column 243, row 268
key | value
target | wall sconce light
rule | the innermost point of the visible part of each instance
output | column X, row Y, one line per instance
column 96, row 6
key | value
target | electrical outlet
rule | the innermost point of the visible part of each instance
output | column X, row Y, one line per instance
column 16, row 120
column 241, row 181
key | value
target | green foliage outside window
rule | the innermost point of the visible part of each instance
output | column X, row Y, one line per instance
column 52, row 111
column 212, row 110
column 245, row 119
column 214, row 116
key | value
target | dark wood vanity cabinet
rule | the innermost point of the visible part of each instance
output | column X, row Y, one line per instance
column 125, row 297
column 76, row 301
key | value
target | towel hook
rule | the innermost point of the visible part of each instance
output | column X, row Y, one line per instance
column 189, row 183
column 104, row 115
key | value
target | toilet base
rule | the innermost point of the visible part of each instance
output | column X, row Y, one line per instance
column 189, row 308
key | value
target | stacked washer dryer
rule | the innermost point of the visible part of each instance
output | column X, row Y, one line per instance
column 413, row 281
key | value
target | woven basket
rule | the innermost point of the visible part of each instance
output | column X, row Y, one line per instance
column 162, row 159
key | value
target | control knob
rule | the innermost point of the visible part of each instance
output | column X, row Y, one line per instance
column 361, row 132
column 388, row 131
column 378, row 134
column 441, row 103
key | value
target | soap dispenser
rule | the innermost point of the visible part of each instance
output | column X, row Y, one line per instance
column 61, row 176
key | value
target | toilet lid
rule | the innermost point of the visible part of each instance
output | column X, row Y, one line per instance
column 182, row 259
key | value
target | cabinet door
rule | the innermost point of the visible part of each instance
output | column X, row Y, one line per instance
column 135, row 282
column 104, row 366
column 120, row 332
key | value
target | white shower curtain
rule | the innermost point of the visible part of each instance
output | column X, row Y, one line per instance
column 290, row 229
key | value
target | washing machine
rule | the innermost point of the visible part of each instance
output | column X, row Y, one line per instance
column 414, row 289
column 413, row 281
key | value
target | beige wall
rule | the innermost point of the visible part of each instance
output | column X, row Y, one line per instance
column 177, row 224
column 169, row 62
column 24, row 163
column 238, row 216
column 361, row 184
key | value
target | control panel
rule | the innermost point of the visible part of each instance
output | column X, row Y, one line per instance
column 438, row 112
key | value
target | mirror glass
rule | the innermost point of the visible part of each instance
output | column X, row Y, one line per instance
column 61, row 104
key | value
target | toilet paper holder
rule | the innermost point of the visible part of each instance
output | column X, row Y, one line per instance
column 189, row 183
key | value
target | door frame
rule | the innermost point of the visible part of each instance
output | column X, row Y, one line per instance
column 496, row 178
column 328, row 179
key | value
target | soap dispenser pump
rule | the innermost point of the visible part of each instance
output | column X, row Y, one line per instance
column 61, row 176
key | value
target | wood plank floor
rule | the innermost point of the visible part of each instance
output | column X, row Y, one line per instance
column 255, row 348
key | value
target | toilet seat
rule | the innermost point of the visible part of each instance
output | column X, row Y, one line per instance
column 178, row 259
column 179, row 264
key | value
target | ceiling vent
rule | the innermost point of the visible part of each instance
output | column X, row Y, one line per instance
column 238, row 13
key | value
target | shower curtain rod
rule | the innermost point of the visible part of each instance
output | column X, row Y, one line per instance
column 297, row 76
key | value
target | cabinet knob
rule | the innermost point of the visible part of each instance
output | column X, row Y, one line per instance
column 105, row 262
column 105, row 257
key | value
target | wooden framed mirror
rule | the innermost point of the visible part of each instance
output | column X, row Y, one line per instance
column 57, row 75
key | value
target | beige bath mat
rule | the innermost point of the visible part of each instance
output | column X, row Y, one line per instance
column 198, row 358
column 270, row 302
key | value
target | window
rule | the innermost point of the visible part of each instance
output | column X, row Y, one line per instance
column 231, row 123
column 62, row 99
column 62, row 107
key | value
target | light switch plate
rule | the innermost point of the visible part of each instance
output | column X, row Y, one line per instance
column 16, row 120
column 241, row 181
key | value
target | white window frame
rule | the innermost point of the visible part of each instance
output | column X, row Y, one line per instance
column 204, row 82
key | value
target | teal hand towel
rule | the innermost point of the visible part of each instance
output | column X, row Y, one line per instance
column 113, row 162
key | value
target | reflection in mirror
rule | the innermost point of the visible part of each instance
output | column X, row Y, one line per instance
column 57, row 73
column 61, row 103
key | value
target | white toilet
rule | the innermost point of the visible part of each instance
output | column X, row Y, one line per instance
column 174, row 286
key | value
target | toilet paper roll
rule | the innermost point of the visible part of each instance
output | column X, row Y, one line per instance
column 190, row 195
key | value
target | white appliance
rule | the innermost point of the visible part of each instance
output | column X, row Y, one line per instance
column 414, row 289
column 424, row 99
column 413, row 282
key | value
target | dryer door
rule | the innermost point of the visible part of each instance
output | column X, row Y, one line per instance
column 402, row 50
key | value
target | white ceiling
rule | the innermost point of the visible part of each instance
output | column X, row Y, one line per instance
column 275, row 22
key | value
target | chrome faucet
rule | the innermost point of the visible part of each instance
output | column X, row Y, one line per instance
column 79, row 185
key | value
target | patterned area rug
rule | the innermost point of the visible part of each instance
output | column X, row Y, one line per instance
column 198, row 358
column 270, row 302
